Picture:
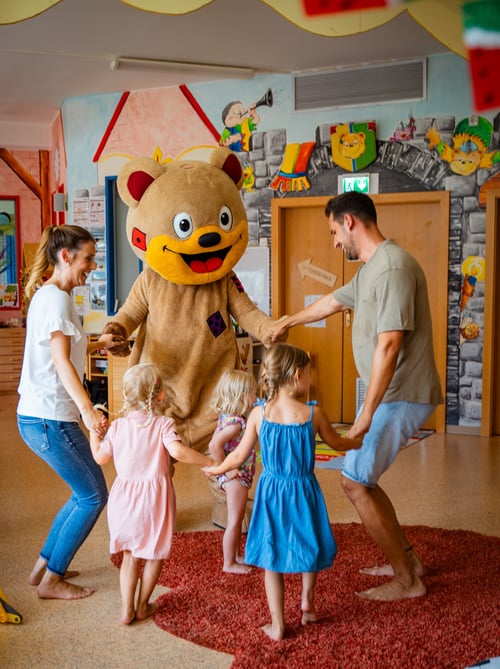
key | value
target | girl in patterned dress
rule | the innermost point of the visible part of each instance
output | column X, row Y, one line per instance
column 234, row 396
column 290, row 530
column 141, row 506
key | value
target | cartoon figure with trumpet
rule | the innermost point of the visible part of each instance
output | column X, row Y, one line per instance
column 240, row 123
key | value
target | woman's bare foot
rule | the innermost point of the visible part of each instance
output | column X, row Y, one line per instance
column 273, row 632
column 58, row 588
column 37, row 575
column 394, row 590
column 146, row 611
column 237, row 568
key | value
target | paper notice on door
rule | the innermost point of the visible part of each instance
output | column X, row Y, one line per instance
column 309, row 299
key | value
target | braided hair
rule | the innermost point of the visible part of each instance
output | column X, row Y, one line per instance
column 279, row 364
column 142, row 385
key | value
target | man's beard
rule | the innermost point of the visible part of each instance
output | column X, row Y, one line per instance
column 351, row 253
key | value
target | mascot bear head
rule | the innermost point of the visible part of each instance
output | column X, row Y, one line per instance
column 183, row 235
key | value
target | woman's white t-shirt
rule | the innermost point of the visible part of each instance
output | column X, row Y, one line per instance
column 42, row 392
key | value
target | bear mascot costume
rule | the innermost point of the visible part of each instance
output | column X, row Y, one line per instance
column 187, row 222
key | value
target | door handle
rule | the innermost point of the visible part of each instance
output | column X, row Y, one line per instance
column 348, row 318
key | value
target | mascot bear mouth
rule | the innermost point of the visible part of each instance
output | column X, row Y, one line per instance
column 203, row 263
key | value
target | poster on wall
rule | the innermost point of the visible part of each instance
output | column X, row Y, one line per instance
column 9, row 252
column 81, row 208
column 81, row 298
column 9, row 296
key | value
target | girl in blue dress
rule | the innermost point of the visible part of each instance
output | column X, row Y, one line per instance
column 290, row 530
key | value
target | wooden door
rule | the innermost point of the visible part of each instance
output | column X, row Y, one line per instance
column 300, row 234
column 490, row 422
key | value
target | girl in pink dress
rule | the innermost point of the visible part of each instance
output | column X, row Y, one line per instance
column 234, row 396
column 141, row 505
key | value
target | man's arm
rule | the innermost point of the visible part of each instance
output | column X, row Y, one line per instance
column 384, row 365
column 323, row 307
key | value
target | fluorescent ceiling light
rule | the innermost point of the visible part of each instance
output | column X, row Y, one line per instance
column 127, row 63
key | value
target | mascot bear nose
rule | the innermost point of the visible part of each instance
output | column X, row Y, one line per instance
column 210, row 239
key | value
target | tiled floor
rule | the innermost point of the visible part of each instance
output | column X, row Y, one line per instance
column 447, row 481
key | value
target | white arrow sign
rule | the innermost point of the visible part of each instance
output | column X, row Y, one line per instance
column 306, row 268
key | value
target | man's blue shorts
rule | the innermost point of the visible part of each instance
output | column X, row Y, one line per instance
column 392, row 425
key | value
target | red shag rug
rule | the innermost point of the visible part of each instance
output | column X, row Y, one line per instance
column 456, row 625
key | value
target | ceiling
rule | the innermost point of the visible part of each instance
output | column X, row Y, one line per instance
column 66, row 51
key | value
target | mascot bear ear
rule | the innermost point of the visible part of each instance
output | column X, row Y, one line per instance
column 136, row 177
column 228, row 162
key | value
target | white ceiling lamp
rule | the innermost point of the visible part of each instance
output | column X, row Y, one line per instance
column 129, row 63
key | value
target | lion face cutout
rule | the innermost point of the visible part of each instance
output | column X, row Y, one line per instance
column 186, row 219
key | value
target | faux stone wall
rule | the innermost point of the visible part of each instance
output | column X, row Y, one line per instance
column 402, row 167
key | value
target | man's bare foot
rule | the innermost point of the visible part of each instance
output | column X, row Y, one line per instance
column 146, row 611
column 61, row 589
column 387, row 570
column 394, row 590
column 273, row 632
column 237, row 568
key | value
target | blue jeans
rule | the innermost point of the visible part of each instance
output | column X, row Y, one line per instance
column 65, row 448
column 393, row 423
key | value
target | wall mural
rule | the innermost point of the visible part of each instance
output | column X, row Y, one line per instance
column 354, row 145
column 292, row 174
column 469, row 143
column 239, row 123
column 474, row 270
column 404, row 132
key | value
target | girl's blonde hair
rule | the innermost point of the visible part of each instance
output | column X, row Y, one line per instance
column 233, row 393
column 141, row 386
column 279, row 364
column 54, row 238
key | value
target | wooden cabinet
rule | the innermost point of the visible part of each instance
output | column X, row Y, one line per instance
column 97, row 362
column 257, row 355
column 11, row 358
column 96, row 374
column 116, row 369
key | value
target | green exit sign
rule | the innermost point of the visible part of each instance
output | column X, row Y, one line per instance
column 363, row 183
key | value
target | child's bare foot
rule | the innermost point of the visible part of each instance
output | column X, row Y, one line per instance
column 61, row 589
column 309, row 617
column 237, row 568
column 127, row 615
column 394, row 590
column 274, row 632
column 146, row 611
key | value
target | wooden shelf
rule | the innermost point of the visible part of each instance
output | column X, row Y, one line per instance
column 11, row 358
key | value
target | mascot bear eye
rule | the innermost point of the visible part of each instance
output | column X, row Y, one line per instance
column 183, row 225
column 226, row 218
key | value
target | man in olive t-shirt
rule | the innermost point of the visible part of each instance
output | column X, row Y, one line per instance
column 392, row 344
